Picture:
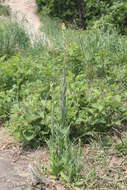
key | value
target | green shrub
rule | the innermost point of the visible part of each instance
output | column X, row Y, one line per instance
column 6, row 102
column 94, row 108
column 28, row 121
column 116, row 18
column 63, row 9
column 25, row 99
column 107, row 14
column 67, row 10
column 96, row 9
column 121, row 149
column 95, row 13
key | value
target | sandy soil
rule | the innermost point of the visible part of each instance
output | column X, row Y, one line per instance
column 9, row 176
column 15, row 162
column 26, row 10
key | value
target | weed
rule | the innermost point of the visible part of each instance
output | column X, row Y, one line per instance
column 65, row 160
column 121, row 149
column 13, row 38
column 4, row 10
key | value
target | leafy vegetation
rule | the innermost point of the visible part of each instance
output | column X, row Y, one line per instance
column 13, row 38
column 93, row 98
column 72, row 11
column 121, row 149
column 96, row 85
column 65, row 160
column 88, row 13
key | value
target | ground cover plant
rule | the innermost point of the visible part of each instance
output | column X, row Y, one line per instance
column 91, row 66
column 19, row 73
column 95, row 102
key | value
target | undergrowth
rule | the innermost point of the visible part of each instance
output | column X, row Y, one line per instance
column 13, row 37
column 65, row 160
column 95, row 98
column 96, row 80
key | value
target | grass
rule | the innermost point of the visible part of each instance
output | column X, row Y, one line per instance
column 4, row 10
column 104, row 165
column 96, row 98
column 13, row 37
column 103, row 169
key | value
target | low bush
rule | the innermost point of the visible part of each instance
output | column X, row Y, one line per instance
column 116, row 17
column 121, row 149
column 25, row 97
column 28, row 122
column 93, row 108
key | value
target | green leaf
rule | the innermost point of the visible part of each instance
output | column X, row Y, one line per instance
column 116, row 101
column 64, row 177
column 28, row 135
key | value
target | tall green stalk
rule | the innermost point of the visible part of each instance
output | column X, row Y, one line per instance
column 65, row 160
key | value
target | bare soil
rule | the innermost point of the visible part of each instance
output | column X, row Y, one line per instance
column 15, row 163
column 9, row 176
column 26, row 11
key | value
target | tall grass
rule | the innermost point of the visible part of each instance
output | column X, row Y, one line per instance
column 4, row 10
column 90, row 41
column 53, row 30
column 65, row 157
column 13, row 37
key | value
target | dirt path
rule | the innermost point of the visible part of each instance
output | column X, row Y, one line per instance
column 26, row 10
column 15, row 163
column 9, row 176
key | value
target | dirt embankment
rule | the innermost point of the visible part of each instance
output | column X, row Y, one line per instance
column 26, row 10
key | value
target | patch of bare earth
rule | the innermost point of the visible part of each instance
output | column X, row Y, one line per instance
column 15, row 163
column 26, row 12
column 18, row 167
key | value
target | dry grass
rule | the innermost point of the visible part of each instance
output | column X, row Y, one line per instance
column 6, row 140
column 103, row 168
